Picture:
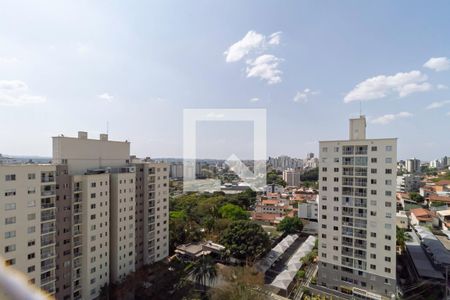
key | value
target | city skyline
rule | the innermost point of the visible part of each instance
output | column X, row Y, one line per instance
column 308, row 64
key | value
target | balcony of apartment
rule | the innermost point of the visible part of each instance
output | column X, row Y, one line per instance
column 360, row 233
column 151, row 187
column 47, row 177
column 76, row 230
column 48, row 228
column 362, row 214
column 360, row 182
column 48, row 215
column 359, row 192
column 347, row 221
column 361, row 161
column 151, row 171
column 77, row 198
column 48, row 252
column 347, row 150
column 77, row 241
column 47, row 265
column 347, row 171
column 361, row 150
column 77, row 209
column 76, row 263
column 360, row 224
column 347, row 263
column 77, row 220
column 347, row 212
column 360, row 203
column 348, row 161
column 347, row 242
column 361, row 172
column 360, row 254
column 49, row 288
column 151, row 203
column 47, row 203
column 77, row 187
column 76, row 287
column 47, row 240
column 47, row 279
column 77, row 252
column 76, row 274
column 360, row 244
column 348, row 181
column 361, row 265
column 347, row 191
column 347, row 252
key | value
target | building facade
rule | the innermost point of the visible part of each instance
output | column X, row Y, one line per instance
column 27, row 215
column 357, row 209
column 291, row 177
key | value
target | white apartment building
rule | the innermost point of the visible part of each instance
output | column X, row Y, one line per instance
column 27, row 215
column 357, row 210
column 291, row 177
column 98, row 236
column 412, row 165
column 408, row 183
column 309, row 210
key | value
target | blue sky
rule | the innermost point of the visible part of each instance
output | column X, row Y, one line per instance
column 76, row 65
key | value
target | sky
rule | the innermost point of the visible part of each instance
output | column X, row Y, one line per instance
column 67, row 66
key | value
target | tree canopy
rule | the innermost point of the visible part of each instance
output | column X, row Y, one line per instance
column 245, row 240
column 290, row 225
column 274, row 178
column 233, row 212
column 310, row 175
column 416, row 197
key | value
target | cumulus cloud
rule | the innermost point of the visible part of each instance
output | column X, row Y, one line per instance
column 381, row 86
column 15, row 93
column 438, row 104
column 265, row 67
column 255, row 99
column 438, row 64
column 251, row 47
column 388, row 118
column 304, row 96
column 442, row 87
column 107, row 97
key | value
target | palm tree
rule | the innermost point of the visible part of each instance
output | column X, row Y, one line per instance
column 402, row 238
column 203, row 272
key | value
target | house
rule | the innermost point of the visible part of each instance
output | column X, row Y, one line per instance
column 402, row 220
column 422, row 216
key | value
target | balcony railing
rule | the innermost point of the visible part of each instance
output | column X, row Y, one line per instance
column 48, row 279
column 347, row 253
column 45, row 230
column 361, row 246
column 347, row 263
column 47, row 254
column 47, row 266
column 47, row 217
column 359, row 255
column 47, row 179
column 47, row 193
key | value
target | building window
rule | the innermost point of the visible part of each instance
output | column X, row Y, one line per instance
column 374, row 148
column 10, row 206
column 10, row 177
column 388, row 171
column 388, row 148
column 31, row 176
column 10, row 248
column 31, row 269
column 10, row 220
column 388, row 160
column 10, row 234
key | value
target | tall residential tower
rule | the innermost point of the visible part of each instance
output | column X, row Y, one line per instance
column 357, row 179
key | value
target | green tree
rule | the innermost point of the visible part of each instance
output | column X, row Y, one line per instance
column 245, row 240
column 203, row 271
column 290, row 225
column 416, row 197
column 402, row 238
column 310, row 175
column 274, row 178
column 233, row 212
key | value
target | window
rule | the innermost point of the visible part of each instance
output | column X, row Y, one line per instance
column 10, row 262
column 374, row 148
column 387, row 237
column 324, row 179
column 10, row 234
column 9, row 193
column 373, row 160
column 388, row 148
column 31, row 203
column 387, row 258
column 324, row 169
column 324, row 149
column 373, row 256
column 31, row 229
column 10, row 220
column 388, row 171
column 387, row 270
column 10, row 248
column 387, row 204
column 31, row 176
column 31, row 217
column 388, row 160
column 31, row 269
column 373, row 192
column 373, row 171
column 388, row 182
column 31, row 255
column 388, row 193
column 10, row 206
column 10, row 177
column 373, row 181
column 93, row 184
column 31, row 243
column 92, row 195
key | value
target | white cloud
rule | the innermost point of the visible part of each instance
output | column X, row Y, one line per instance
column 265, row 67
column 448, row 114
column 304, row 96
column 275, row 38
column 438, row 64
column 438, row 104
column 388, row 118
column 254, row 99
column 14, row 93
column 251, row 42
column 107, row 97
column 381, row 86
column 8, row 60
column 442, row 87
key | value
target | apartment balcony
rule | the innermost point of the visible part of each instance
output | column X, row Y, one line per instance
column 77, row 253
column 347, row 243
column 48, row 265
column 47, row 216
column 76, row 263
column 347, row 223
column 77, row 287
column 47, row 254
column 77, row 189
column 347, row 263
column 76, row 232
column 347, row 213
column 47, row 179
column 360, row 204
column 360, row 255
column 361, row 245
column 361, row 235
column 361, row 194
column 48, row 193
column 77, row 242
column 361, row 215
column 47, row 229
column 47, row 205
column 347, row 253
column 47, row 240
column 77, row 199
column 47, row 279
column 49, row 288
column 360, row 224
column 76, row 275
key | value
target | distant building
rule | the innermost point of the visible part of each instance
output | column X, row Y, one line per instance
column 408, row 183
column 309, row 210
column 422, row 217
column 412, row 165
column 291, row 177
column 401, row 220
